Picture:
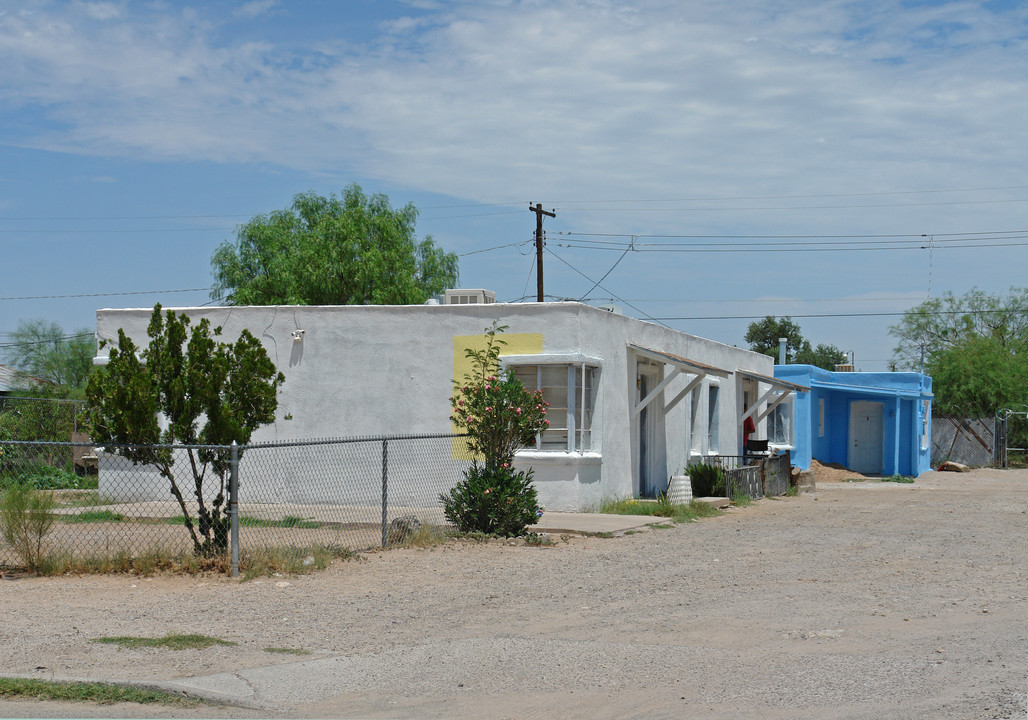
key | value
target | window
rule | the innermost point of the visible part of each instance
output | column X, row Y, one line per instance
column 821, row 417
column 712, row 414
column 570, row 390
column 779, row 423
column 695, row 432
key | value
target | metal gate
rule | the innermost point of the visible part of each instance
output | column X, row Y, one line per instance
column 1012, row 438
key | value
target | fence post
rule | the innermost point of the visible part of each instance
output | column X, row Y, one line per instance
column 233, row 506
column 385, row 492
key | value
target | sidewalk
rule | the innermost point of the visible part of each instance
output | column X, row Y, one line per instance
column 585, row 523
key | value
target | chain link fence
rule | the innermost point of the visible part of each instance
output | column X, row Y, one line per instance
column 969, row 441
column 354, row 493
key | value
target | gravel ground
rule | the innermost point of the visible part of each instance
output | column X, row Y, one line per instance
column 862, row 600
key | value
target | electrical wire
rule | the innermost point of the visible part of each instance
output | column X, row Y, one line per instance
column 105, row 294
column 641, row 312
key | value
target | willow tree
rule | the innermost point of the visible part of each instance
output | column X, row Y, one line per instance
column 350, row 250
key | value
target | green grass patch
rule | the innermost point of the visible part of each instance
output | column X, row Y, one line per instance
column 793, row 491
column 898, row 479
column 286, row 651
column 93, row 516
column 102, row 693
column 741, row 499
column 855, row 479
column 168, row 642
column 659, row 508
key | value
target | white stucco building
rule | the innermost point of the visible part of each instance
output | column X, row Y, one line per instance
column 632, row 402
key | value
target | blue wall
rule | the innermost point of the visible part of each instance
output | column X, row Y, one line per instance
column 901, row 395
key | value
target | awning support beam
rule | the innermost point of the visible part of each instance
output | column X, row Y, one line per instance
column 685, row 391
column 656, row 391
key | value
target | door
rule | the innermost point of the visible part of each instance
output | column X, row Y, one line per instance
column 648, row 377
column 866, row 437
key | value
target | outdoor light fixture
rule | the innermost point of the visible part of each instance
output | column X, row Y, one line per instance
column 298, row 335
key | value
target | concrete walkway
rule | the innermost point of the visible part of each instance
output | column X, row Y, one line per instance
column 588, row 523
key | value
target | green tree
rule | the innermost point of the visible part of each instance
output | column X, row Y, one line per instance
column 763, row 335
column 974, row 346
column 41, row 349
column 948, row 322
column 822, row 356
column 349, row 250
column 208, row 392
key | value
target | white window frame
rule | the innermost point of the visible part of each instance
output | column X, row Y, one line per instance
column 713, row 417
column 581, row 399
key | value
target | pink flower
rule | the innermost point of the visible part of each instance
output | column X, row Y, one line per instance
column 469, row 419
column 547, row 422
column 489, row 409
column 486, row 491
column 518, row 411
column 488, row 387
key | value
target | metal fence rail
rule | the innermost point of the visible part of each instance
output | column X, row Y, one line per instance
column 755, row 476
column 352, row 492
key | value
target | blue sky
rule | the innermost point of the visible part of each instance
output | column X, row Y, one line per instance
column 770, row 157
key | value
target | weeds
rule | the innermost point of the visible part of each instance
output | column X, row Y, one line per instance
column 101, row 693
column 168, row 642
column 26, row 518
column 286, row 651
column 898, row 479
column 694, row 510
column 94, row 516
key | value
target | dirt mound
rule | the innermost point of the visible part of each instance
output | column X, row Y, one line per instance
column 832, row 472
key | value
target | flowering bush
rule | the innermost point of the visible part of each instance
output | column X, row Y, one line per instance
column 498, row 501
column 494, row 409
column 499, row 416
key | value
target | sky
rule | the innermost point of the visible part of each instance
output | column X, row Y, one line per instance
column 708, row 163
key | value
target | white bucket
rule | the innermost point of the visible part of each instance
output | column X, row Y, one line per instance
column 679, row 490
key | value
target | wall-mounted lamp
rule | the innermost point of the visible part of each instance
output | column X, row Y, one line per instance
column 298, row 335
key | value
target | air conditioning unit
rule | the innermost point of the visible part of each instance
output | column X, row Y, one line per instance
column 844, row 368
column 470, row 297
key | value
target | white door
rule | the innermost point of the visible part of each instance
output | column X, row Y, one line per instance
column 866, row 437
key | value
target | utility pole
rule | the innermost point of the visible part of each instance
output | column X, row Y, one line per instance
column 539, row 212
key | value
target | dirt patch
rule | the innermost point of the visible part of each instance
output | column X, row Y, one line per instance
column 834, row 472
column 861, row 600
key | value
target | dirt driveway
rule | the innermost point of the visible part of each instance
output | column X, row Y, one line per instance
column 863, row 600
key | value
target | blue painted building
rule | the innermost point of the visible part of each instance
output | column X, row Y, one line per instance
column 873, row 423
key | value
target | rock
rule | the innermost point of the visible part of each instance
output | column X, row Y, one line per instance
column 403, row 528
column 950, row 466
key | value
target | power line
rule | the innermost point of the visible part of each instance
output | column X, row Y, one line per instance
column 831, row 315
column 641, row 312
column 736, row 208
column 105, row 294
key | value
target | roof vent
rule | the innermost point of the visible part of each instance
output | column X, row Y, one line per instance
column 470, row 297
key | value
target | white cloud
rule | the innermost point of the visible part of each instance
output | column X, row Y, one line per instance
column 253, row 9
column 565, row 99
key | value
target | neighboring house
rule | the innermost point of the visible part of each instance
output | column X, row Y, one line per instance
column 12, row 381
column 631, row 402
column 873, row 423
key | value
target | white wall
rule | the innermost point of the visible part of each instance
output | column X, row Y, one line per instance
column 381, row 370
